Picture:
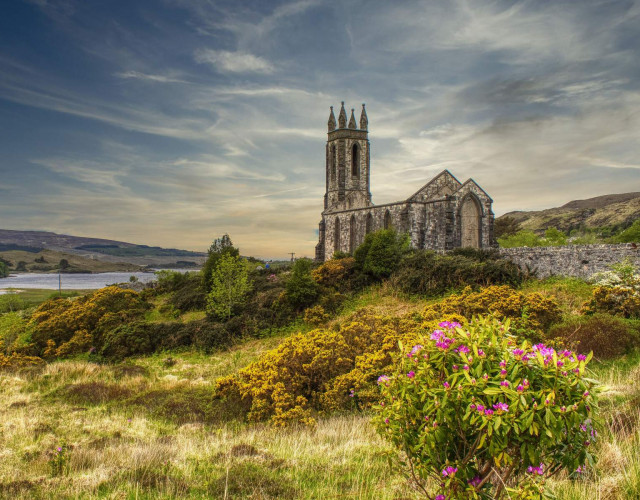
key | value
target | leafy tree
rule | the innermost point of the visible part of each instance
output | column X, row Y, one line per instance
column 301, row 289
column 506, row 226
column 220, row 246
column 22, row 266
column 229, row 286
column 4, row 272
column 64, row 264
column 380, row 253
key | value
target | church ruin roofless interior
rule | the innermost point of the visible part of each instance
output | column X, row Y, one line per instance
column 442, row 215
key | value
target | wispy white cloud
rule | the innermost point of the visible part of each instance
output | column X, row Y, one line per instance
column 137, row 75
column 234, row 62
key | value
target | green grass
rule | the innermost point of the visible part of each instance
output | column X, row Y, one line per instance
column 31, row 297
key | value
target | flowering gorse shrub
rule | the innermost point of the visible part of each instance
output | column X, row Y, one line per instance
column 532, row 313
column 476, row 413
column 63, row 327
column 617, row 291
column 319, row 371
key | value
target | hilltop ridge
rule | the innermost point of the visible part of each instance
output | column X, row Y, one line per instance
column 616, row 211
column 98, row 249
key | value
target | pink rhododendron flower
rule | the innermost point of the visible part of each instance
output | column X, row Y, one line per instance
column 449, row 471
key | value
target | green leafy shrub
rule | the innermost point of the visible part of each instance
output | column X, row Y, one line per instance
column 15, row 335
column 301, row 289
column 129, row 340
column 476, row 413
column 189, row 295
column 521, row 239
column 145, row 338
column 629, row 235
column 605, row 335
column 427, row 273
column 381, row 252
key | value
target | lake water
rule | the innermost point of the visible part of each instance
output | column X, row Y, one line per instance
column 70, row 281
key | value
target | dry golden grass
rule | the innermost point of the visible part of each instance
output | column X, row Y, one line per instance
column 118, row 451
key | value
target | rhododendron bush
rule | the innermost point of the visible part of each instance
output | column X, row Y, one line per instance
column 477, row 413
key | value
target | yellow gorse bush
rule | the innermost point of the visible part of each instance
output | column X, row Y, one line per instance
column 531, row 311
column 333, row 272
column 614, row 300
column 328, row 370
column 63, row 327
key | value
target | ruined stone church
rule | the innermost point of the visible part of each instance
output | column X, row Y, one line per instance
column 442, row 215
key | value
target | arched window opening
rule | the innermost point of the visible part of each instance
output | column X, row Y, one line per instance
column 355, row 161
column 387, row 220
column 336, row 236
column 369, row 225
column 352, row 234
column 333, row 163
column 470, row 218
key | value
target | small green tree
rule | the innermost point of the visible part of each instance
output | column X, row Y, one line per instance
column 301, row 289
column 381, row 252
column 22, row 266
column 229, row 286
column 220, row 246
column 64, row 264
column 4, row 272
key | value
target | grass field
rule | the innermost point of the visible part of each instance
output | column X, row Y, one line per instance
column 148, row 428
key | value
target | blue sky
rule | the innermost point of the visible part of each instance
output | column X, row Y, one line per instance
column 172, row 122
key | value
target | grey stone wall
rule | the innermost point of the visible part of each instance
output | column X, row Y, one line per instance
column 580, row 261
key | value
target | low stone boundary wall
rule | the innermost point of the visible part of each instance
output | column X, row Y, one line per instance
column 579, row 261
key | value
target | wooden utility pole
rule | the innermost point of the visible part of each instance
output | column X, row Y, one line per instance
column 292, row 254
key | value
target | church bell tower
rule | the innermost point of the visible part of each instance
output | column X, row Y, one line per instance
column 347, row 162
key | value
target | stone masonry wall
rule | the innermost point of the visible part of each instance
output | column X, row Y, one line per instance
column 580, row 261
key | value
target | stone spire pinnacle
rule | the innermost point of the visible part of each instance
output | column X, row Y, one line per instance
column 364, row 121
column 352, row 120
column 331, row 124
column 342, row 117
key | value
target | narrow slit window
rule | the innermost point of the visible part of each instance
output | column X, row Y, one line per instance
column 355, row 161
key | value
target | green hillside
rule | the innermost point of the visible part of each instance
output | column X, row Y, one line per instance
column 48, row 261
column 609, row 213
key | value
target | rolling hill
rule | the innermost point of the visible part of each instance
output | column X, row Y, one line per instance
column 98, row 249
column 615, row 211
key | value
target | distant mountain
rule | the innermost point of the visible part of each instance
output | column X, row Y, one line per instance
column 98, row 248
column 616, row 211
